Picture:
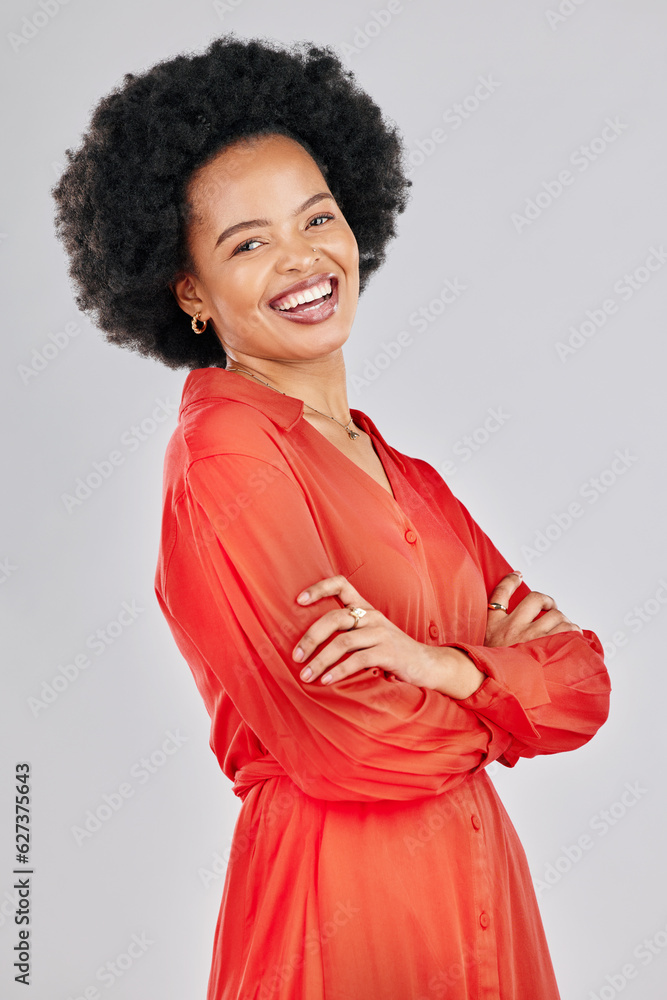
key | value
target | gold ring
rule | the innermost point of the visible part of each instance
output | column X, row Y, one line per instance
column 356, row 613
column 497, row 607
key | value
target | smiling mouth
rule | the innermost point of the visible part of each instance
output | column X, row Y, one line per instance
column 304, row 307
column 304, row 300
column 300, row 308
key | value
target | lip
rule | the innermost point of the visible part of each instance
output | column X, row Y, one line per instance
column 312, row 314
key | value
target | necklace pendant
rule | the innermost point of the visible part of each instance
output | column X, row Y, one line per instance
column 353, row 434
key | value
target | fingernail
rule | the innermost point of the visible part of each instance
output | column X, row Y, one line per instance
column 327, row 679
column 306, row 674
column 298, row 653
column 518, row 573
column 302, row 598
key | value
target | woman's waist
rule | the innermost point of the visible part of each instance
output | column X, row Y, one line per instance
column 473, row 797
column 254, row 772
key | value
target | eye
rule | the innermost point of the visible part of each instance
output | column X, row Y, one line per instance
column 242, row 245
column 325, row 216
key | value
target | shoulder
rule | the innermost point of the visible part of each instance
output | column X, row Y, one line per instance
column 430, row 480
column 438, row 495
column 229, row 426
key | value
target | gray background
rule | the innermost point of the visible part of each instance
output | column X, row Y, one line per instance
column 67, row 573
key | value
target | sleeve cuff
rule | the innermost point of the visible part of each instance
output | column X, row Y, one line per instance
column 514, row 684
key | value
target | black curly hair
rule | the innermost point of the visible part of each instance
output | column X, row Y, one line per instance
column 122, row 212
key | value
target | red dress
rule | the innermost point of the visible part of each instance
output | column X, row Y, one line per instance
column 372, row 858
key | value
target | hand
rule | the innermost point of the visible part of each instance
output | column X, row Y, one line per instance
column 375, row 642
column 521, row 624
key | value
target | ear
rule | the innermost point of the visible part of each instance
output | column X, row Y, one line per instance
column 184, row 289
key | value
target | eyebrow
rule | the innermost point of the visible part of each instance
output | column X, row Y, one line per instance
column 238, row 226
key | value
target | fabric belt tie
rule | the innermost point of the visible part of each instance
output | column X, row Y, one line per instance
column 254, row 772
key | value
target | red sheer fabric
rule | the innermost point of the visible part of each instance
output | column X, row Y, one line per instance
column 372, row 856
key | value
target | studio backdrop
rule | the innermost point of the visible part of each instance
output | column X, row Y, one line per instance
column 514, row 339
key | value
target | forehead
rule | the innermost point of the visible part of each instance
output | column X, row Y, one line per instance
column 250, row 171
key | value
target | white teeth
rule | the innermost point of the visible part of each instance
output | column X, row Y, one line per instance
column 308, row 295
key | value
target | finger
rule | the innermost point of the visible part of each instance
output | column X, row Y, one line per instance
column 338, row 620
column 503, row 591
column 566, row 626
column 360, row 660
column 543, row 625
column 332, row 586
column 531, row 605
column 347, row 642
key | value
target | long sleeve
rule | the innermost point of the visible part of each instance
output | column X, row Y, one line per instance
column 246, row 543
column 561, row 679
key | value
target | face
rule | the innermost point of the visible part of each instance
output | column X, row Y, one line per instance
column 261, row 206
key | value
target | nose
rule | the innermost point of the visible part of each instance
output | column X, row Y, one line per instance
column 298, row 253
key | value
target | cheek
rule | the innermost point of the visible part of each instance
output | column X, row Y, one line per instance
column 354, row 250
column 344, row 245
column 237, row 290
column 353, row 257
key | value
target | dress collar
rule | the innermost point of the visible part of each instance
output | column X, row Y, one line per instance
column 284, row 411
column 216, row 383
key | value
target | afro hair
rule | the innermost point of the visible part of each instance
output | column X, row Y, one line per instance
column 122, row 212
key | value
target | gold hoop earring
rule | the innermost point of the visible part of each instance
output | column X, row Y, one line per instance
column 196, row 320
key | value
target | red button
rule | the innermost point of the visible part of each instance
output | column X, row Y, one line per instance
column 411, row 536
column 475, row 822
column 484, row 920
column 433, row 630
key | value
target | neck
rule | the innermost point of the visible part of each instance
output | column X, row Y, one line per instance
column 320, row 383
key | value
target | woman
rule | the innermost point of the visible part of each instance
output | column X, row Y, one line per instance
column 363, row 649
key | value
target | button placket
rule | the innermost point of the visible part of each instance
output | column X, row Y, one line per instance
column 488, row 984
column 411, row 538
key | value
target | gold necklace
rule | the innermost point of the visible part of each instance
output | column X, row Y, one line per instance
column 353, row 435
